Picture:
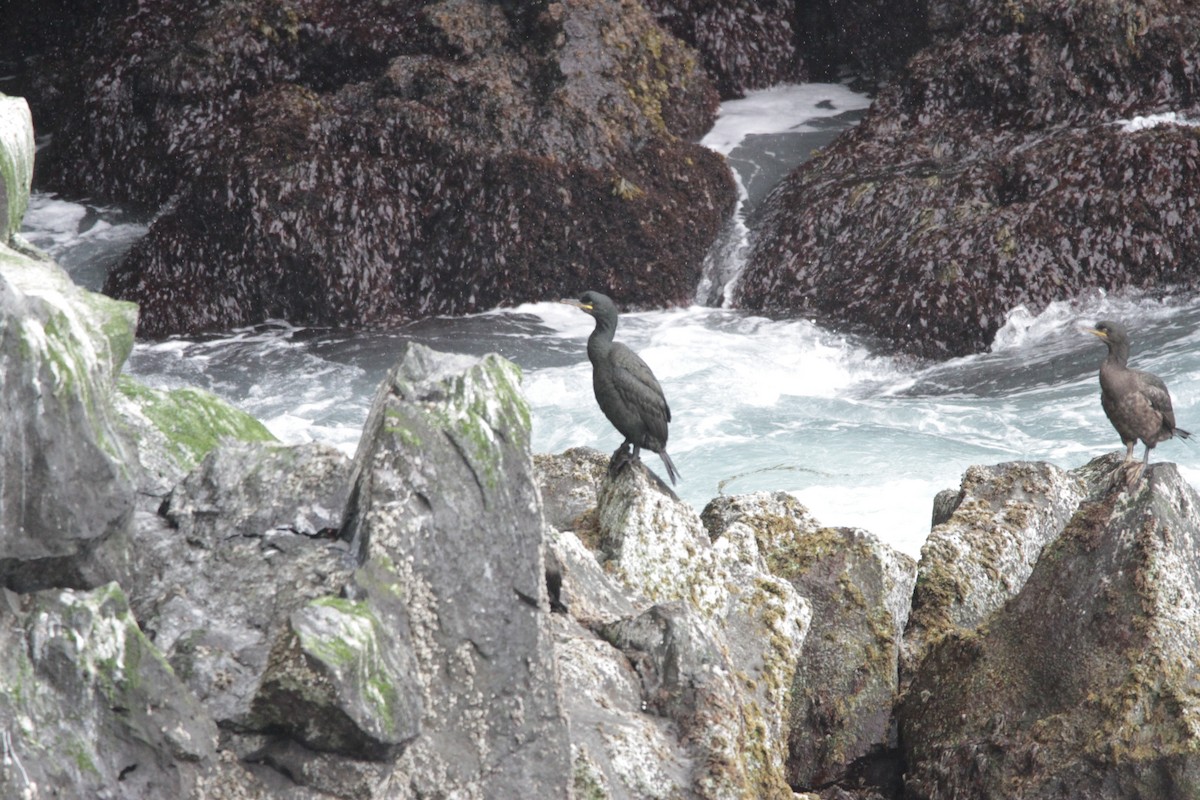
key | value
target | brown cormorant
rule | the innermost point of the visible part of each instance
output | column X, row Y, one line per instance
column 626, row 389
column 1136, row 403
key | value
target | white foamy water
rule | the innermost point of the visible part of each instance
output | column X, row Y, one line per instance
column 758, row 404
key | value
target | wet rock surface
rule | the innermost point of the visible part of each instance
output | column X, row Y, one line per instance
column 1084, row 682
column 995, row 172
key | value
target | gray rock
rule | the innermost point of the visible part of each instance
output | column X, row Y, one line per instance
column 16, row 163
column 219, row 585
column 262, row 491
column 1083, row 684
column 444, row 501
column 66, row 490
column 568, row 484
column 981, row 555
column 584, row 589
column 658, row 548
column 846, row 678
column 618, row 750
column 89, row 707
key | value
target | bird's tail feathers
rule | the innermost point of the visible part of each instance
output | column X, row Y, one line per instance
column 672, row 473
column 1182, row 434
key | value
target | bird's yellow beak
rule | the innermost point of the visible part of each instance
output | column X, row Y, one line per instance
column 1095, row 332
column 578, row 304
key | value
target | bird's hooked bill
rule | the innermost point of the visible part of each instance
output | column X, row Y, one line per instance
column 577, row 304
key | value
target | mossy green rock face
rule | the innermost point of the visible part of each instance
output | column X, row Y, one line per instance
column 339, row 683
column 174, row 429
column 16, row 163
column 65, row 484
column 1084, row 683
column 445, row 501
column 88, row 704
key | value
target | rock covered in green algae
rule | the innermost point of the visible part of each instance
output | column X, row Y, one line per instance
column 173, row 429
column 1083, row 684
column 16, row 163
column 88, row 705
column 444, row 501
column 66, row 489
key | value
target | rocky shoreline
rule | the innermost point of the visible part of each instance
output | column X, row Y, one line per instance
column 193, row 610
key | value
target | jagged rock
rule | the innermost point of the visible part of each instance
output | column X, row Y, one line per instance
column 657, row 546
column 402, row 161
column 993, row 173
column 16, row 164
column 444, row 501
column 584, row 589
column 1083, row 684
column 174, row 429
column 977, row 559
column 66, row 494
column 89, row 707
column 262, row 491
column 568, row 483
column 618, row 751
column 846, row 679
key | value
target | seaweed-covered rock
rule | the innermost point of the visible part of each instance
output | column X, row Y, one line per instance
column 404, row 160
column 1083, row 684
column 743, row 46
column 997, row 172
column 981, row 555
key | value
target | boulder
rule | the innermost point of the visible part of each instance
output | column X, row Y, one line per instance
column 16, row 163
column 715, row 651
column 90, row 708
column 401, row 161
column 66, row 487
column 846, row 678
column 742, row 46
column 996, row 172
column 982, row 554
column 240, row 547
column 445, row 511
column 1083, row 683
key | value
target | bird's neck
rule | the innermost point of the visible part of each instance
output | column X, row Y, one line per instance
column 1118, row 354
column 600, row 342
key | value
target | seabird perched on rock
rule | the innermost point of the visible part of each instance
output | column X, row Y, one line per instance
column 1137, row 403
column 626, row 390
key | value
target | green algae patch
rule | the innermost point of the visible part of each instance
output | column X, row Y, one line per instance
column 192, row 421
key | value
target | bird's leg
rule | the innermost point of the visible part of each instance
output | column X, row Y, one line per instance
column 1135, row 469
column 637, row 454
column 620, row 459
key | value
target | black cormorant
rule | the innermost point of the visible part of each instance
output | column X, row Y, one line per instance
column 626, row 389
column 1136, row 403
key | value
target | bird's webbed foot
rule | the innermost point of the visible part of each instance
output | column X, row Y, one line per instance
column 1127, row 474
column 622, row 457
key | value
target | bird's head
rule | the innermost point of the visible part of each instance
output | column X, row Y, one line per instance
column 594, row 303
column 1109, row 332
